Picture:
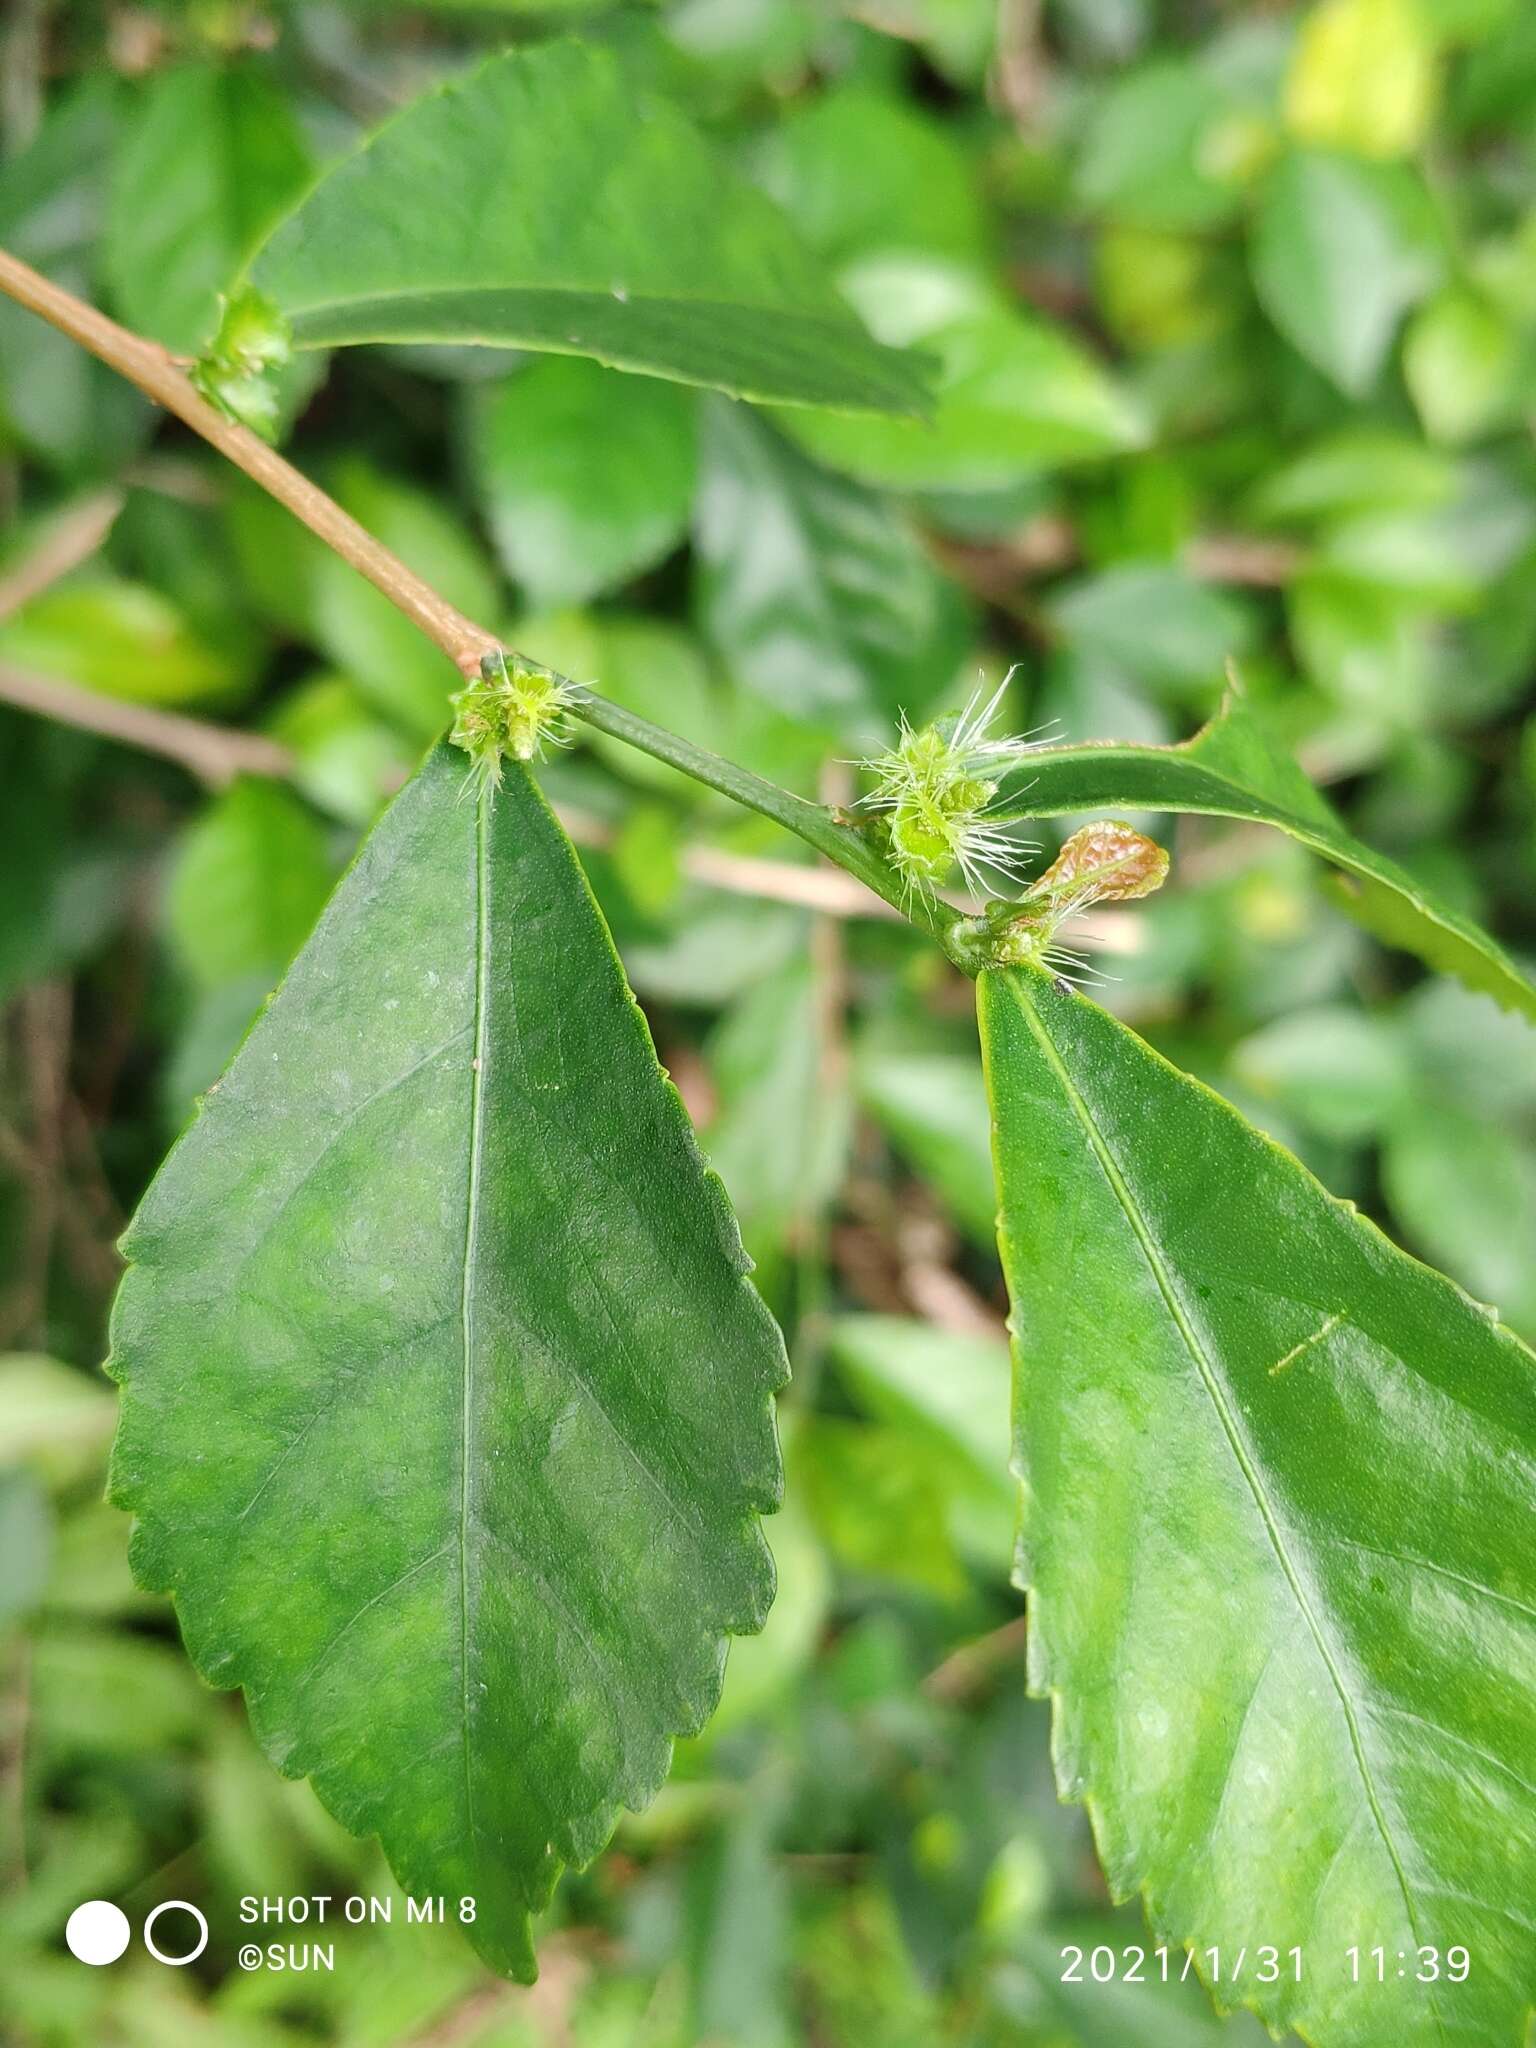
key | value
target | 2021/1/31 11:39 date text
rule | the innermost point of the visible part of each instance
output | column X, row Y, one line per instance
column 1263, row 1964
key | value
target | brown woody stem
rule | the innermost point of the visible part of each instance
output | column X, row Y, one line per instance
column 159, row 377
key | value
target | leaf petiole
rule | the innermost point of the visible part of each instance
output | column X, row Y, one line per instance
column 812, row 822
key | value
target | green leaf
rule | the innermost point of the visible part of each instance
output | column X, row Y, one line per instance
column 586, row 475
column 1015, row 393
column 857, row 171
column 51, row 1413
column 880, row 1501
column 948, row 1388
column 346, row 760
column 1341, row 250
column 26, row 1545
column 946, row 1393
column 123, row 639
column 934, row 1109
column 1463, row 1191
column 1277, row 1482
column 780, row 1139
column 208, row 158
column 64, row 883
column 1343, row 1072
column 1148, row 152
column 1232, row 769
column 1367, row 646
column 63, row 404
column 545, row 202
column 1144, row 2012
column 763, row 1667
column 736, row 1934
column 446, row 1410
column 398, row 670
column 1461, row 362
column 1155, row 621
column 100, row 1694
column 1359, row 469
column 250, row 877
column 818, row 594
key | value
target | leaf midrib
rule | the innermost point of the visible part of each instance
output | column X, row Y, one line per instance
column 834, row 317
column 1245, row 1462
column 467, row 1295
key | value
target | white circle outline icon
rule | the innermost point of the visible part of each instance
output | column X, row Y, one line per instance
column 97, row 1932
column 172, row 1906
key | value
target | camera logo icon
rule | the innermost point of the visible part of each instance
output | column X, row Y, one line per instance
column 98, row 1932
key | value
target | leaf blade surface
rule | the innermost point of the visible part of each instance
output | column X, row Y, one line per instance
column 446, row 1409
column 543, row 202
column 1233, row 769
column 1276, row 1532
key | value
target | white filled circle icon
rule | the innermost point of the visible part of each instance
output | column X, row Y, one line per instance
column 97, row 1932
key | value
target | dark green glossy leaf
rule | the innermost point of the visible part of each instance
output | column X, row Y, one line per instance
column 1232, row 769
column 446, row 1409
column 586, row 475
column 544, row 202
column 817, row 592
column 1276, row 1535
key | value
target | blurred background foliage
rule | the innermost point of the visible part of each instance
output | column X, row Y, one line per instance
column 1235, row 312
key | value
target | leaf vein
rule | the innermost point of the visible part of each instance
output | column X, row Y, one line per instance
column 313, row 1670
column 1210, row 1378
column 348, row 1120
column 467, row 1287
column 1441, row 1571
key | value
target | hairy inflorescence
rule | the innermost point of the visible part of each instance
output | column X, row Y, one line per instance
column 509, row 709
column 935, row 793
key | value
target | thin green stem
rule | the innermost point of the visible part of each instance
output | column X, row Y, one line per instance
column 849, row 847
